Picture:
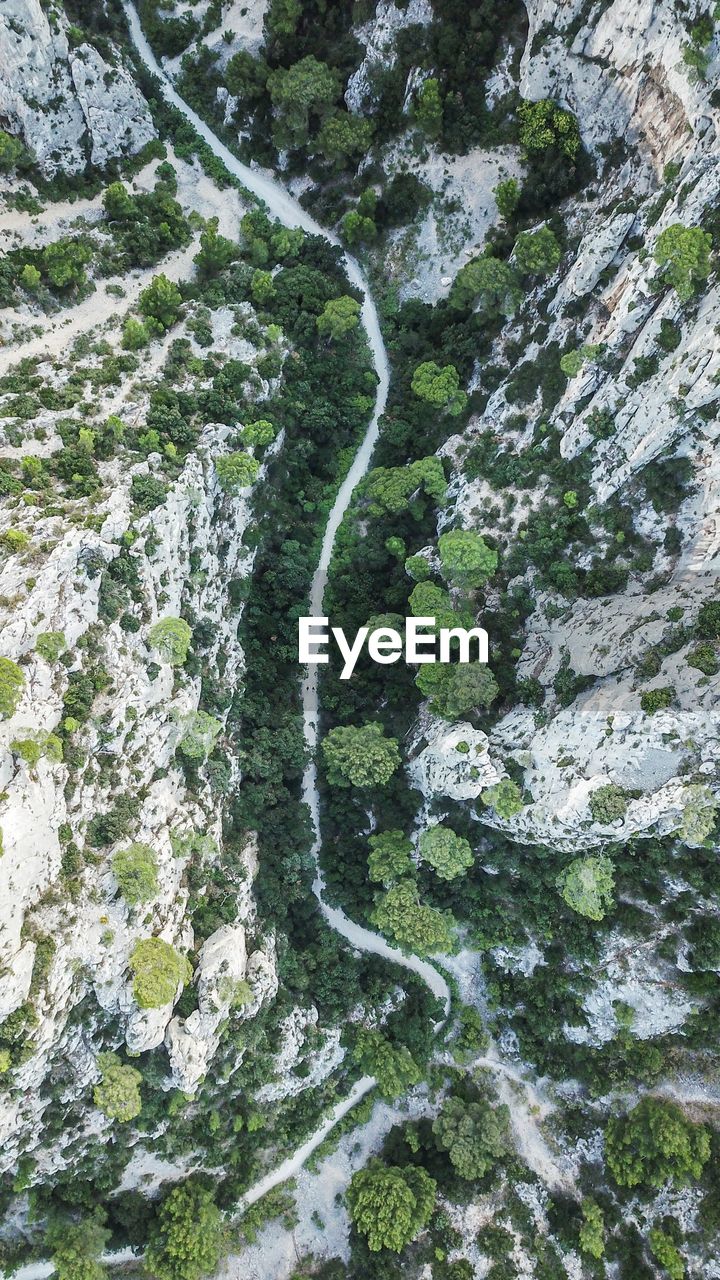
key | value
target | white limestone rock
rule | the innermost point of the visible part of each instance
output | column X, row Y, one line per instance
column 67, row 105
column 455, row 763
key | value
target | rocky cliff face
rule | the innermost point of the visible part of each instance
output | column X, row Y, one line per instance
column 622, row 72
column 67, row 102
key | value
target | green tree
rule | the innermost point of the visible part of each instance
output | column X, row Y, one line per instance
column 189, row 1237
column 198, row 732
column 439, row 387
column 448, row 854
column 262, row 287
column 32, row 744
column 467, row 560
column 118, row 203
column 216, row 252
column 572, row 362
column 491, row 283
column 75, row 1247
column 118, row 1093
column 360, row 757
column 392, row 1065
column 544, row 125
column 666, row 1252
column 136, row 871
column 592, row 1229
column 50, row 644
column 456, row 690
column 344, row 136
column 258, row 435
column 30, row 277
column 505, row 797
column 236, row 471
column 474, row 1134
column 134, row 334
column 158, row 970
column 357, row 229
column 537, row 253
column 161, row 301
column 171, row 637
column 428, row 600
column 64, row 262
column 12, row 683
column 607, row 804
column 245, row 76
column 11, row 149
column 283, row 17
column 390, row 1205
column 390, row 856
column 339, row 317
column 428, row 108
column 684, row 255
column 391, row 489
column 654, row 1144
column 698, row 819
column 507, row 197
column 308, row 87
column 422, row 929
column 587, row 886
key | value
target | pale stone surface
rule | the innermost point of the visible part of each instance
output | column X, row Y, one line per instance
column 68, row 105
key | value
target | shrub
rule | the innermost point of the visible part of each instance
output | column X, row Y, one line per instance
column 608, row 803
column 360, row 757
column 158, row 970
column 667, row 1253
column 147, row 493
column 505, row 797
column 236, row 471
column 32, row 744
column 390, row 1205
column 587, row 886
column 704, row 659
column 447, row 853
column 136, row 871
column 50, row 644
column 12, row 683
column 171, row 638
column 708, row 623
column 15, row 540
column 161, row 301
column 466, row 558
column 654, row 1144
column 199, row 731
column 118, row 1094
column 684, row 255
column 653, row 700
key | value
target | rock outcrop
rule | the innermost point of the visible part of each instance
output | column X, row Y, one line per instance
column 68, row 103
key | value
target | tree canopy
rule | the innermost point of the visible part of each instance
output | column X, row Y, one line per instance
column 654, row 1144
column 474, row 1134
column 189, row 1236
column 420, row 928
column 466, row 558
column 390, row 1205
column 360, row 756
column 448, row 854
column 684, row 255
column 587, row 886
